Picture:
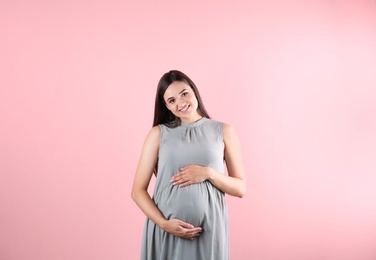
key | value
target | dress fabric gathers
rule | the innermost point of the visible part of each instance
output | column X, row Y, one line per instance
column 201, row 204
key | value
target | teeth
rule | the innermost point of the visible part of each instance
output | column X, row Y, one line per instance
column 184, row 108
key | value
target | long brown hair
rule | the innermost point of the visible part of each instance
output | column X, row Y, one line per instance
column 161, row 114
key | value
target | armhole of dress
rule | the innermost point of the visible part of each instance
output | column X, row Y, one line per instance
column 159, row 149
column 222, row 139
column 160, row 140
column 161, row 135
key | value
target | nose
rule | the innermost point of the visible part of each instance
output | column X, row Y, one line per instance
column 181, row 102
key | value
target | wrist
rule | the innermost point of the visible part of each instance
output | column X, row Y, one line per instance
column 162, row 224
column 209, row 173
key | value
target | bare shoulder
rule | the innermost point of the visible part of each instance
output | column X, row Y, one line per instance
column 155, row 130
column 154, row 135
column 228, row 131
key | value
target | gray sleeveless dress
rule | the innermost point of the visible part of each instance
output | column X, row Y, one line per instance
column 201, row 204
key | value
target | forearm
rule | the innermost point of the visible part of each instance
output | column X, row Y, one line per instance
column 230, row 185
column 146, row 204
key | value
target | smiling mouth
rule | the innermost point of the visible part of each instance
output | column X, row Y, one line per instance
column 184, row 109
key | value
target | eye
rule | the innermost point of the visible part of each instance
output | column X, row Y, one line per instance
column 171, row 101
column 185, row 93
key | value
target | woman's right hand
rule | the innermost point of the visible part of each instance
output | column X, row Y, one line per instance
column 181, row 229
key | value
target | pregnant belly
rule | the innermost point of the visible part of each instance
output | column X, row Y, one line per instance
column 189, row 204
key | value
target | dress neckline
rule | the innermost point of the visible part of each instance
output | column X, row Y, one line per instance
column 194, row 124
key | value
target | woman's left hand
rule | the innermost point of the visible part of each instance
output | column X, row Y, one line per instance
column 191, row 174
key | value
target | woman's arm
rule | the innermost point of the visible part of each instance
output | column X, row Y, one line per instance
column 148, row 159
column 234, row 183
column 144, row 172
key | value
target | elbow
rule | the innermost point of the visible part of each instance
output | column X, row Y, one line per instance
column 241, row 191
column 241, row 194
column 137, row 192
column 134, row 194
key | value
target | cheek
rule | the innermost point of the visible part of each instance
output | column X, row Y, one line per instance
column 172, row 108
column 194, row 101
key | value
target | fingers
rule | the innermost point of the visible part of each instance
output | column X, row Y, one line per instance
column 193, row 232
column 178, row 179
column 174, row 179
column 184, row 168
column 189, row 231
column 186, row 225
column 180, row 176
column 190, row 228
column 188, row 175
column 182, row 183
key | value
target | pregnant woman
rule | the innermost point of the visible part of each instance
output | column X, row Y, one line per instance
column 187, row 151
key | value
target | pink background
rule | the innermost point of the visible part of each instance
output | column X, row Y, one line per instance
column 297, row 80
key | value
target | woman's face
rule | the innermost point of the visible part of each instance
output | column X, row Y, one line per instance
column 181, row 100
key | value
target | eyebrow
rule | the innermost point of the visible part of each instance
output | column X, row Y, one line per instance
column 179, row 94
